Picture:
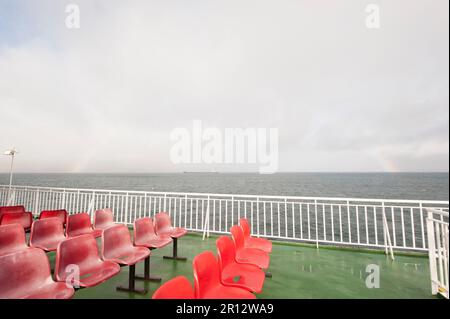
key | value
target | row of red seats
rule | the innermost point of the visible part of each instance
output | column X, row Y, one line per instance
column 35, row 281
column 236, row 274
column 53, row 227
column 18, row 215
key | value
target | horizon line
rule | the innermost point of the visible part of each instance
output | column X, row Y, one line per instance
column 228, row 172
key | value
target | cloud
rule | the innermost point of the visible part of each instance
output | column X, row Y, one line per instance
column 105, row 97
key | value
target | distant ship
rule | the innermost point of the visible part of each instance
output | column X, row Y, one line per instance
column 200, row 172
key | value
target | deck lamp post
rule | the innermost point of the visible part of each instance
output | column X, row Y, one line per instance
column 12, row 152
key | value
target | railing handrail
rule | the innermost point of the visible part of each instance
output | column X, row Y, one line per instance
column 437, row 211
column 310, row 198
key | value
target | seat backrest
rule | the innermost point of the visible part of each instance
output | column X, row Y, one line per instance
column 58, row 213
column 245, row 227
column 226, row 252
column 238, row 236
column 143, row 228
column 103, row 217
column 162, row 220
column 176, row 288
column 11, row 209
column 45, row 228
column 81, row 251
column 23, row 272
column 24, row 219
column 12, row 238
column 114, row 240
column 206, row 272
column 81, row 221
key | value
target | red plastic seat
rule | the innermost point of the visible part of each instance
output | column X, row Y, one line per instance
column 12, row 239
column 16, row 215
column 117, row 247
column 26, row 274
column 207, row 280
column 176, row 288
column 247, row 276
column 80, row 224
column 82, row 251
column 61, row 214
column 103, row 219
column 248, row 255
column 47, row 233
column 145, row 236
column 253, row 242
column 163, row 227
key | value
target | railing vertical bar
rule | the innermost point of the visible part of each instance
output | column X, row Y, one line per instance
column 257, row 216
column 422, row 228
column 226, row 215
column 349, row 224
column 278, row 219
column 293, row 219
column 196, row 213
column 332, row 222
column 245, row 210
column 367, row 224
column 444, row 240
column 439, row 250
column 185, row 211
column 271, row 218
column 393, row 225
column 285, row 218
column 357, row 223
column 214, row 214
column 309, row 220
column 191, row 213
column 340, row 223
column 375, row 224
column 220, row 214
column 403, row 226
column 265, row 219
column 301, row 219
column 413, row 230
column 251, row 217
column 316, row 223
column 232, row 211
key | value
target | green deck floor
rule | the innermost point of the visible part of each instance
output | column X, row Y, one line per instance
column 299, row 271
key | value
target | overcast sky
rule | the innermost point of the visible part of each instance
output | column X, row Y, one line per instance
column 105, row 97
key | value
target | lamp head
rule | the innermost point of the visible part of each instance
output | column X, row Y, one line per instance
column 11, row 152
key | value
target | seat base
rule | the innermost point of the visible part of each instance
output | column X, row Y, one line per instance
column 146, row 276
column 131, row 286
column 175, row 252
column 175, row 258
column 128, row 289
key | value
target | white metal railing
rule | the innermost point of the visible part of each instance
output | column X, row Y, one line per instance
column 437, row 230
column 374, row 223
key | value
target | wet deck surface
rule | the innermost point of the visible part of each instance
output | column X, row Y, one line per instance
column 298, row 272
